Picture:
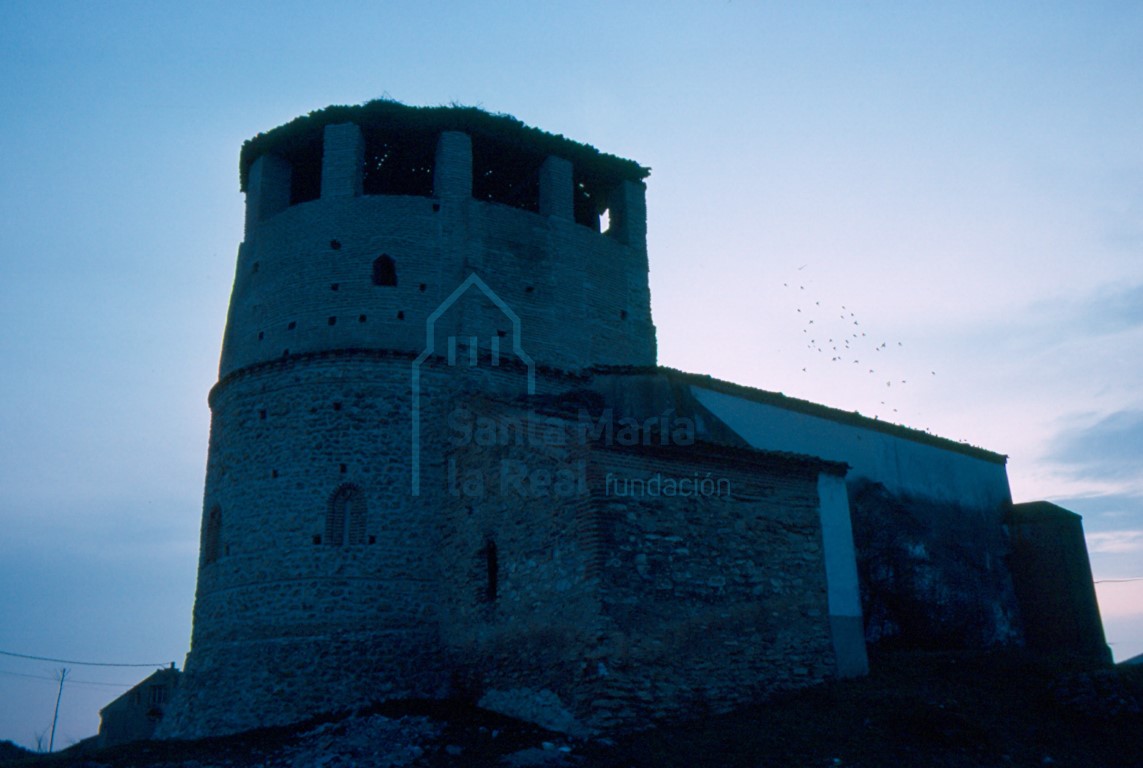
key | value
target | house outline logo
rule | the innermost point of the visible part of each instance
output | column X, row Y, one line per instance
column 430, row 349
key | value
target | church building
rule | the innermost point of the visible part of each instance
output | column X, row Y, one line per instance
column 444, row 462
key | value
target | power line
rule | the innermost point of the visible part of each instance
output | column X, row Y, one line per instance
column 80, row 663
column 70, row 681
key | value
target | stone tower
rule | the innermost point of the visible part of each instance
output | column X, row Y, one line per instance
column 382, row 241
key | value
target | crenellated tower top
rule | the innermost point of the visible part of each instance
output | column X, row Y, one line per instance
column 399, row 145
column 361, row 220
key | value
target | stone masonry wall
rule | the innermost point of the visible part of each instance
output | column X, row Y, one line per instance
column 611, row 608
column 928, row 518
column 286, row 623
column 614, row 608
column 314, row 411
column 517, row 619
column 355, row 549
column 713, row 600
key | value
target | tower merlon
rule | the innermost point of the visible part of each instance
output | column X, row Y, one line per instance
column 343, row 161
column 627, row 207
column 267, row 189
column 452, row 172
column 556, row 192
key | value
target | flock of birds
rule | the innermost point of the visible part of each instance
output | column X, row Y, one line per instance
column 835, row 330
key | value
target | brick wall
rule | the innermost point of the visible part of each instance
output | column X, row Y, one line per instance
column 304, row 276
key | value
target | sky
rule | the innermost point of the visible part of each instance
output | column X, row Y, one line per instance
column 966, row 179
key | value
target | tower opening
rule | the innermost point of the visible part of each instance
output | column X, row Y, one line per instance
column 305, row 172
column 398, row 163
column 212, row 537
column 492, row 571
column 385, row 271
column 509, row 176
column 345, row 518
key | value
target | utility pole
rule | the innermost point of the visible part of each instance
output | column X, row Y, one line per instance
column 56, row 716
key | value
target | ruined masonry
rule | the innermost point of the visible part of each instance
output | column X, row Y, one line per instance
column 444, row 463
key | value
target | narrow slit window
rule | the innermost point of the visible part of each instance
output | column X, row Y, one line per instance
column 212, row 536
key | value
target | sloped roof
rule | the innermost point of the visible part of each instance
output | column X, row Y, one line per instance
column 1036, row 511
column 159, row 676
column 780, row 400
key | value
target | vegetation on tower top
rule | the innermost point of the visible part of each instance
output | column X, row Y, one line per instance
column 401, row 123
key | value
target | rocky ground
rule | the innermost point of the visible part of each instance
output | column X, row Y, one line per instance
column 915, row 709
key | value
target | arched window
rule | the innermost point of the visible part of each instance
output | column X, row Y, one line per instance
column 212, row 536
column 345, row 518
column 384, row 271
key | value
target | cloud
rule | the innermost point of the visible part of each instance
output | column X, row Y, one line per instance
column 1110, row 449
column 1107, row 511
column 1115, row 542
column 1048, row 322
column 1110, row 310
